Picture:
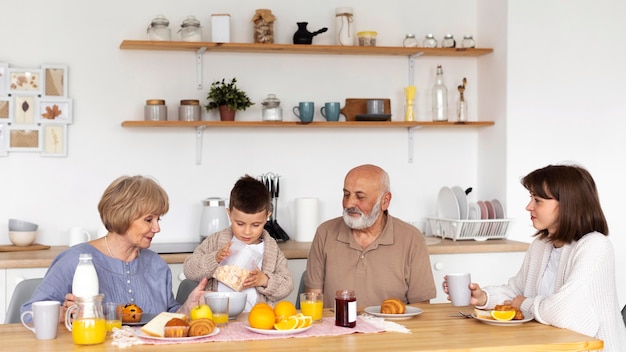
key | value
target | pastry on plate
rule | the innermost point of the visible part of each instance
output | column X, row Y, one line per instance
column 201, row 327
column 392, row 306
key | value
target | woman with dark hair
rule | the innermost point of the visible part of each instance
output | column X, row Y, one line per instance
column 568, row 276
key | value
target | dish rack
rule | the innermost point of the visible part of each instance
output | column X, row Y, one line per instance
column 469, row 229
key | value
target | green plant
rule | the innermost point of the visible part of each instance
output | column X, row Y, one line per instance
column 222, row 93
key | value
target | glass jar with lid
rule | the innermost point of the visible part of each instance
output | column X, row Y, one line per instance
column 448, row 41
column 409, row 41
column 430, row 41
column 190, row 30
column 159, row 30
column 468, row 42
column 271, row 110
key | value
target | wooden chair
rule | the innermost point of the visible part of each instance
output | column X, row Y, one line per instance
column 21, row 294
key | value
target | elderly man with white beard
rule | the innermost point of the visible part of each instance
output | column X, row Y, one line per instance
column 367, row 250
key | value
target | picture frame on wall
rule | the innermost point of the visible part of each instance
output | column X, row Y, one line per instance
column 54, row 110
column 3, row 139
column 54, row 80
column 24, row 80
column 4, row 73
column 6, row 109
column 54, row 140
column 25, row 109
column 24, row 138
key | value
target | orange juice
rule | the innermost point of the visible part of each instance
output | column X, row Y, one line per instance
column 312, row 308
column 220, row 318
column 113, row 324
column 89, row 331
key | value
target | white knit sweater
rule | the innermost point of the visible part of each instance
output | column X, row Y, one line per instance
column 585, row 298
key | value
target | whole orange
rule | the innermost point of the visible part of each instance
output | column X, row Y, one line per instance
column 284, row 309
column 262, row 318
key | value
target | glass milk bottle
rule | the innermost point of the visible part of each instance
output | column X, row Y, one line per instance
column 440, row 97
column 344, row 24
column 85, row 283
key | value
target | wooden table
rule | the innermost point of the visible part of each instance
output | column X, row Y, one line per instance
column 433, row 330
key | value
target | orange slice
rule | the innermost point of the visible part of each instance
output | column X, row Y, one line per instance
column 307, row 321
column 503, row 315
column 287, row 324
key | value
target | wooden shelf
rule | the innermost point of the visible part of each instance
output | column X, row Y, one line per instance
column 299, row 49
column 281, row 124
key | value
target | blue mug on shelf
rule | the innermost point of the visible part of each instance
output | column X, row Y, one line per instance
column 304, row 111
column 331, row 111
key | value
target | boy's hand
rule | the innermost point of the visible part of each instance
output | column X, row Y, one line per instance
column 256, row 278
column 223, row 253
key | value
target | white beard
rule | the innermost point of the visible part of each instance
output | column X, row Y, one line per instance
column 363, row 221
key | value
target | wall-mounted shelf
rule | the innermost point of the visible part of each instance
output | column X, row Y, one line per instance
column 201, row 48
column 411, row 126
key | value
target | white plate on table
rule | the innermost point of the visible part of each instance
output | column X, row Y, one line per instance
column 490, row 321
column 409, row 313
column 461, row 198
column 276, row 332
column 473, row 211
column 142, row 335
column 447, row 205
column 499, row 209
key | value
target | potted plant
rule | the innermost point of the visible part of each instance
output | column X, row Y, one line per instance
column 228, row 98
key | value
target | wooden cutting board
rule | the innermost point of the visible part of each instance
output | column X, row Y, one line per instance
column 358, row 106
column 32, row 247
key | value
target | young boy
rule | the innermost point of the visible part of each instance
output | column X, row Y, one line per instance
column 248, row 210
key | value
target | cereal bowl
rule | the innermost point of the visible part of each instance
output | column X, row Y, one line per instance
column 21, row 225
column 22, row 238
column 236, row 302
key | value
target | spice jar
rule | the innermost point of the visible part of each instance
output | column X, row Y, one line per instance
column 345, row 308
column 159, row 30
column 430, row 41
column 409, row 41
column 367, row 38
column 263, row 20
column 190, row 30
column 344, row 22
column 189, row 110
column 468, row 42
column 271, row 110
column 155, row 110
column 448, row 41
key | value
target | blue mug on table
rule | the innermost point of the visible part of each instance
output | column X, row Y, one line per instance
column 305, row 111
column 331, row 111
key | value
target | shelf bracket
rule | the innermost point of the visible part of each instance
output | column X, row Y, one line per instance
column 199, row 131
column 412, row 67
column 199, row 53
column 411, row 142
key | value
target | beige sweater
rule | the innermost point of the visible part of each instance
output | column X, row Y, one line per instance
column 202, row 264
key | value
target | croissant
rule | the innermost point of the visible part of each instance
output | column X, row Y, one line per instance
column 392, row 306
column 201, row 327
column 518, row 313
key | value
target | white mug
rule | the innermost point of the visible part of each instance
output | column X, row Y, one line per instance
column 45, row 319
column 458, row 289
column 78, row 235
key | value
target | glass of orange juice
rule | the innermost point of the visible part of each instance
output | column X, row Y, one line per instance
column 219, row 307
column 112, row 315
column 312, row 304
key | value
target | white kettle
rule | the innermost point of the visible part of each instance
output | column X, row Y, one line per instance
column 214, row 217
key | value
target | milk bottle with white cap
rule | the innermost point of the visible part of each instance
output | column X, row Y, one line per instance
column 85, row 282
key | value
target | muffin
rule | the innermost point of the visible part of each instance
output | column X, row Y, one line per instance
column 131, row 313
column 176, row 327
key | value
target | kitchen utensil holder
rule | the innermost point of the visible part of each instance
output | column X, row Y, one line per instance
column 469, row 229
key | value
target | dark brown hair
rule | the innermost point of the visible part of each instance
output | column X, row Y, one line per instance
column 579, row 205
column 250, row 196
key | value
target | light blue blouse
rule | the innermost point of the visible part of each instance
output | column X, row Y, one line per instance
column 145, row 281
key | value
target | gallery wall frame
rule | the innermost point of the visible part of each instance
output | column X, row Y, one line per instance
column 24, row 138
column 54, row 80
column 24, row 81
column 6, row 109
column 54, row 140
column 54, row 110
column 4, row 72
column 3, row 139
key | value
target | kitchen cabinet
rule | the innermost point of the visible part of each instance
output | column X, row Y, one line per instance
column 200, row 48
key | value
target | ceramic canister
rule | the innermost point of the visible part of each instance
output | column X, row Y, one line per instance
column 155, row 110
column 189, row 110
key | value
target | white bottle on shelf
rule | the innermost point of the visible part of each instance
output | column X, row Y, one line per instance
column 344, row 23
column 440, row 97
column 85, row 282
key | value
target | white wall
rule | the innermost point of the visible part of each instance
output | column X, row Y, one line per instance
column 552, row 85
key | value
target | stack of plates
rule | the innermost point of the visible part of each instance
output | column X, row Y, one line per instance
column 452, row 204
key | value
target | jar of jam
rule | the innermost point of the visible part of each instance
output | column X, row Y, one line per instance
column 345, row 308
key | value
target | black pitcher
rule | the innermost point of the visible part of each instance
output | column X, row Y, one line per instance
column 303, row 36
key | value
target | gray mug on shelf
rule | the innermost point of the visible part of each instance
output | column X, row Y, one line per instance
column 304, row 111
column 375, row 107
column 330, row 111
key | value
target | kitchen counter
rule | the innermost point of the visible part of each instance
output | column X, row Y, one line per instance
column 291, row 249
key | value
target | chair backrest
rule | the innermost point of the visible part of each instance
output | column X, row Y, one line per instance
column 624, row 314
column 301, row 289
column 185, row 288
column 22, row 293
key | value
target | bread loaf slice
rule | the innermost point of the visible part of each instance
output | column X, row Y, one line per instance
column 155, row 326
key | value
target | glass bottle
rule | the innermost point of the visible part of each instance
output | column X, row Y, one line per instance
column 345, row 308
column 448, row 41
column 85, row 281
column 409, row 41
column 86, row 321
column 344, row 23
column 468, row 42
column 159, row 30
column 440, row 97
column 190, row 30
column 430, row 41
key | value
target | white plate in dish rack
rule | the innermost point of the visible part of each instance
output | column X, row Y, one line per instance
column 473, row 211
column 447, row 205
column 461, row 198
column 497, row 205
